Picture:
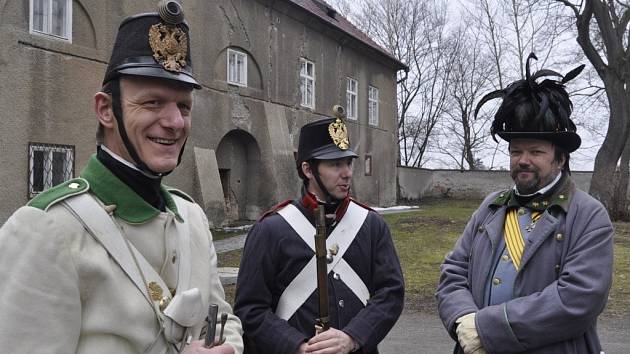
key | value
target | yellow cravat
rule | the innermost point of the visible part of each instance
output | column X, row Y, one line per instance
column 514, row 240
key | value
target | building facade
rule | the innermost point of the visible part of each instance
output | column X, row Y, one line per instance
column 267, row 67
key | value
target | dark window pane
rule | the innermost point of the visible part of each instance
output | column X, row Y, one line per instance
column 58, row 167
column 38, row 171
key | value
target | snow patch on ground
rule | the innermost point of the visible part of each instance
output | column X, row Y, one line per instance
column 396, row 208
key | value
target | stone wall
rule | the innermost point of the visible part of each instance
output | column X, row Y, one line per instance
column 418, row 183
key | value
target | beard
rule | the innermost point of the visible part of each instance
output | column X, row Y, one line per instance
column 528, row 186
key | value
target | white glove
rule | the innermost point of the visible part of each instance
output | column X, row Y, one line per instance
column 467, row 335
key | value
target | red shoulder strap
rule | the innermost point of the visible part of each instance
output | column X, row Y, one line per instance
column 275, row 208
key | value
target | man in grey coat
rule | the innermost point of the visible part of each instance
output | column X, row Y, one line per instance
column 532, row 270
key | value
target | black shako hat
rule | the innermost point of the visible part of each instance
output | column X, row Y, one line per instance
column 532, row 110
column 324, row 139
column 153, row 44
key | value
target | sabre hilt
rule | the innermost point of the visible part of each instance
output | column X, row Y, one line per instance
column 213, row 311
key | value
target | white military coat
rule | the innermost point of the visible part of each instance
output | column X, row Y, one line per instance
column 61, row 290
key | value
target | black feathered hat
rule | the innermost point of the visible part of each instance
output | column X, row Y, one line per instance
column 532, row 110
column 155, row 44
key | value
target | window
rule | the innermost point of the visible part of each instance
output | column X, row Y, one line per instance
column 351, row 98
column 48, row 166
column 373, row 105
column 368, row 165
column 52, row 17
column 237, row 68
column 307, row 83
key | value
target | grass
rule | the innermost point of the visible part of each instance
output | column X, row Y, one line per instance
column 619, row 298
column 423, row 237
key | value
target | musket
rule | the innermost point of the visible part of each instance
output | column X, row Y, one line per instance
column 323, row 322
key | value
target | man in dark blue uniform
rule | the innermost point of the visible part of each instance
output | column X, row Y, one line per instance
column 276, row 296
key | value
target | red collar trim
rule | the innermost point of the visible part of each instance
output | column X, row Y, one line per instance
column 274, row 209
column 309, row 200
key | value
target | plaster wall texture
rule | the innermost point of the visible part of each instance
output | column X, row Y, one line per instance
column 208, row 185
column 416, row 183
column 47, row 88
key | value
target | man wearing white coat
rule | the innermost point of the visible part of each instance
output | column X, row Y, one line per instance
column 114, row 261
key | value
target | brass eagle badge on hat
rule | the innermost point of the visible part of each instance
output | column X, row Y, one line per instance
column 169, row 45
column 339, row 134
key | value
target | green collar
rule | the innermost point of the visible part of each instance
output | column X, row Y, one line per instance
column 111, row 190
column 560, row 198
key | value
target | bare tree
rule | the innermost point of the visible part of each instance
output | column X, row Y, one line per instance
column 602, row 33
column 493, row 40
column 414, row 31
column 463, row 136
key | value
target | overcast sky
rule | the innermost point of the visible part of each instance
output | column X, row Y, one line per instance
column 581, row 160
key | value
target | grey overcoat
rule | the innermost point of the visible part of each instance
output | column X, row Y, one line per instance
column 561, row 288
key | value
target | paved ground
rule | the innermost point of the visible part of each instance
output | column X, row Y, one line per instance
column 230, row 244
column 420, row 333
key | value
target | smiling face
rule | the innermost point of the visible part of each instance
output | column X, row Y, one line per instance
column 335, row 175
column 533, row 164
column 157, row 118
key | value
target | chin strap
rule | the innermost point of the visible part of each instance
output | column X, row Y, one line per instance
column 328, row 198
column 116, row 108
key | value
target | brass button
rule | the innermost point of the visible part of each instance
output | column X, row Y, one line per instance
column 341, row 303
column 545, row 203
column 535, row 204
column 74, row 185
column 521, row 211
column 496, row 281
column 336, row 276
column 505, row 257
column 480, row 229
column 559, row 237
column 155, row 291
column 561, row 196
column 557, row 267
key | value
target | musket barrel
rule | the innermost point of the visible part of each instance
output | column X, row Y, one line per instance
column 323, row 322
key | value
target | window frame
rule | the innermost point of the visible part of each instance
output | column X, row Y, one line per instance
column 352, row 107
column 373, row 105
column 367, row 165
column 236, row 54
column 47, row 168
column 304, row 81
column 47, row 20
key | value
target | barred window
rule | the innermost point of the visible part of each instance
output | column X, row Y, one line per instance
column 237, row 68
column 351, row 98
column 49, row 165
column 307, row 83
column 51, row 17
